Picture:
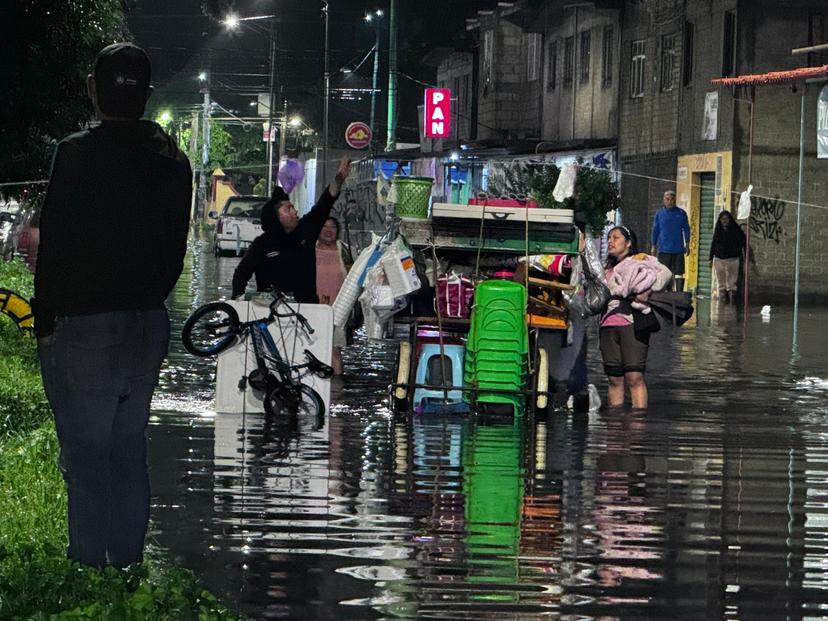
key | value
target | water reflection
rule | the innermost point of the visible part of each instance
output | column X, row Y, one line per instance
column 710, row 505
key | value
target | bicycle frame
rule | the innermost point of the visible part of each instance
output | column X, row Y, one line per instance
column 265, row 350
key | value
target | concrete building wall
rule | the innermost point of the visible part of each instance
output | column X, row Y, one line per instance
column 508, row 106
column 767, row 33
column 585, row 108
column 457, row 73
column 649, row 122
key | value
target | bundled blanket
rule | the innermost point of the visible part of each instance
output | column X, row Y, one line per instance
column 634, row 275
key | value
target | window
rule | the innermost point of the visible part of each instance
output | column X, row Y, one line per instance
column 729, row 44
column 606, row 57
column 637, row 68
column 687, row 69
column 533, row 47
column 488, row 55
column 668, row 61
column 552, row 66
column 584, row 60
column 569, row 61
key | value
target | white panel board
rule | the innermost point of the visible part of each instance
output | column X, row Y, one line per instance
column 239, row 360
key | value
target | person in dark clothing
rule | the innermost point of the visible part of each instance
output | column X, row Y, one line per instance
column 284, row 255
column 113, row 234
column 726, row 252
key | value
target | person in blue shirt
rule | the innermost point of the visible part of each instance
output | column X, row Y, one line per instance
column 671, row 237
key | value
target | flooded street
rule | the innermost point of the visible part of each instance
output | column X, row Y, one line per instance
column 712, row 504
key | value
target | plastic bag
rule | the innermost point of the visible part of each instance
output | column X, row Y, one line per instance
column 398, row 263
column 744, row 204
column 596, row 293
column 565, row 187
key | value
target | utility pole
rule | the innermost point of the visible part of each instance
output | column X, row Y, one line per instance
column 272, row 89
column 327, row 98
column 205, row 148
column 391, row 142
column 374, row 79
column 282, row 133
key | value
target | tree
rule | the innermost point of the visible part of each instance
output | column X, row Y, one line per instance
column 48, row 48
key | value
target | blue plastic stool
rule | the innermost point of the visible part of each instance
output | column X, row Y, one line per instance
column 433, row 400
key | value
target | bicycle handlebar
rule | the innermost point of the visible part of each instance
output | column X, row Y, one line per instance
column 301, row 319
column 279, row 298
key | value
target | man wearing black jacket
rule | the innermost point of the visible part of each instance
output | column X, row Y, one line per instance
column 113, row 236
column 284, row 256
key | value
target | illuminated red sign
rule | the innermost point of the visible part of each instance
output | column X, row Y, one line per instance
column 437, row 110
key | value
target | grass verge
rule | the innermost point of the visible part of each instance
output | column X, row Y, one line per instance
column 36, row 580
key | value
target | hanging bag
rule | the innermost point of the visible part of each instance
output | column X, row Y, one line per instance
column 596, row 292
column 454, row 294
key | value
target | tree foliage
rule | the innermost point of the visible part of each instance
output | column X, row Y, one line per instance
column 229, row 147
column 48, row 47
column 595, row 192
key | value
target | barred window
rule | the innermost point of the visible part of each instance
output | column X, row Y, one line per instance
column 569, row 61
column 585, row 55
column 607, row 56
column 637, row 63
column 552, row 66
column 533, row 48
column 669, row 57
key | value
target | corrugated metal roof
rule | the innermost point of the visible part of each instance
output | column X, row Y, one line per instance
column 774, row 77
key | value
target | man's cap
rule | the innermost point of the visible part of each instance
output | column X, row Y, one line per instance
column 670, row 193
column 122, row 80
column 122, row 66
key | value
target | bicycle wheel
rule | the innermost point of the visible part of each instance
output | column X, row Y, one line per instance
column 282, row 401
column 211, row 329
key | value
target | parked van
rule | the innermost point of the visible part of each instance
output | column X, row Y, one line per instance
column 238, row 224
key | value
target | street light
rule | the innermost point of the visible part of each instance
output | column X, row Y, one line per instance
column 369, row 17
column 233, row 22
column 295, row 121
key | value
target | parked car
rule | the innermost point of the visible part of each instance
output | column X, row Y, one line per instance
column 13, row 220
column 238, row 224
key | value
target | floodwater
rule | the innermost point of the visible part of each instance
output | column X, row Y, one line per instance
column 713, row 504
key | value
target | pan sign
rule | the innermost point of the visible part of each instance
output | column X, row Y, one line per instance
column 358, row 135
column 437, row 113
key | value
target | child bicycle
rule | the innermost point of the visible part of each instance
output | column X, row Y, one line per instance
column 215, row 327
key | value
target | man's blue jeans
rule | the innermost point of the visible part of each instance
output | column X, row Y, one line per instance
column 99, row 372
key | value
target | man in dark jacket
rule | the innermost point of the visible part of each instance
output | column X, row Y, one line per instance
column 284, row 256
column 113, row 234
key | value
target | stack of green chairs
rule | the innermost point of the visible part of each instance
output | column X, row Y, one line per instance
column 498, row 344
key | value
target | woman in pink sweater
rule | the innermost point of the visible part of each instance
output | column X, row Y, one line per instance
column 631, row 277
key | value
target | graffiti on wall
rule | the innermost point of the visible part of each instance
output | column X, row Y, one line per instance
column 359, row 214
column 766, row 218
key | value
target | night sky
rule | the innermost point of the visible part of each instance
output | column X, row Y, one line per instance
column 184, row 37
